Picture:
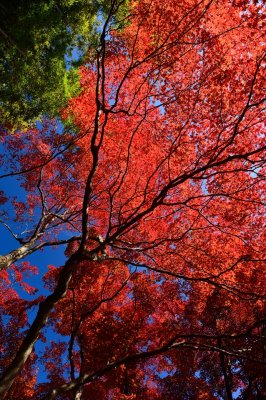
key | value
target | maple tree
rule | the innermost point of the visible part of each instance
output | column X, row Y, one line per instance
column 159, row 198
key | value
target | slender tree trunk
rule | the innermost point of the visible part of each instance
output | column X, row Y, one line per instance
column 225, row 374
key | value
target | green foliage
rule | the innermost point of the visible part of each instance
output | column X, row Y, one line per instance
column 35, row 37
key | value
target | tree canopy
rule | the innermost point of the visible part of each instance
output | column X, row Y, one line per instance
column 158, row 202
column 35, row 38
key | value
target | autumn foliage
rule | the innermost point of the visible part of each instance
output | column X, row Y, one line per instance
column 158, row 198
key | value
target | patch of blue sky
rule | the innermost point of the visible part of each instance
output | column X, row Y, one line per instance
column 197, row 374
column 75, row 55
column 236, row 393
column 164, row 373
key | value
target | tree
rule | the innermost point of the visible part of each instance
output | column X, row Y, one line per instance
column 159, row 197
column 35, row 37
